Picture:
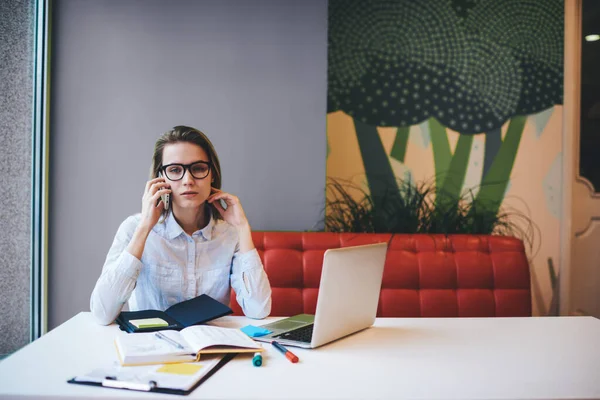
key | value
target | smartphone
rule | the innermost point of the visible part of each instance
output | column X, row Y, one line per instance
column 166, row 198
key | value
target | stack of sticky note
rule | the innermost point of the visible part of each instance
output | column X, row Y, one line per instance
column 255, row 331
column 149, row 323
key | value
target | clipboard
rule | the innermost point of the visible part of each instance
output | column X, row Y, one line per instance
column 150, row 386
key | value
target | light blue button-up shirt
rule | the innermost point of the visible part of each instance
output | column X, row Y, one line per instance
column 176, row 267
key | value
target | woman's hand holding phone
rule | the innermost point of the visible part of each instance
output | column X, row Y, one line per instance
column 152, row 205
column 151, row 210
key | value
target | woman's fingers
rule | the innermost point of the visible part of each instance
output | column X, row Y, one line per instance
column 216, row 193
column 229, row 198
column 153, row 181
column 157, row 186
column 159, row 193
column 152, row 206
column 213, row 192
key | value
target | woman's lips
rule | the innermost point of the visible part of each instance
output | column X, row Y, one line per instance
column 189, row 195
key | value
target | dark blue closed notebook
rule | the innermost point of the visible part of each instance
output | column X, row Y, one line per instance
column 195, row 311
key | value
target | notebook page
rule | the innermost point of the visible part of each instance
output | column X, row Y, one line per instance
column 203, row 336
column 137, row 348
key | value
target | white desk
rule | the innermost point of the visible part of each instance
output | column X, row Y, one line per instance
column 500, row 358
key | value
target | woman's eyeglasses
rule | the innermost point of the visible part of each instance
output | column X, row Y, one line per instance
column 175, row 172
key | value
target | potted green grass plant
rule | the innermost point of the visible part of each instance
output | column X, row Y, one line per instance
column 420, row 208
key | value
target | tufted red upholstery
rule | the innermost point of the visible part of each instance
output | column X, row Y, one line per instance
column 424, row 275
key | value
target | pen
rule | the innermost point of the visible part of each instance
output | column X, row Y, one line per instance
column 257, row 360
column 288, row 354
column 168, row 339
column 146, row 387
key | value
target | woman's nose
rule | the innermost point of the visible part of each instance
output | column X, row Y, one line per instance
column 187, row 177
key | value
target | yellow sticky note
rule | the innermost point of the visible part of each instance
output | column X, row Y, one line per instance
column 149, row 322
column 180, row 369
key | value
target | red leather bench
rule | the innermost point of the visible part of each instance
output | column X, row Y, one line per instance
column 424, row 276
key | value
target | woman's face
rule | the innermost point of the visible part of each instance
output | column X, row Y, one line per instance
column 188, row 192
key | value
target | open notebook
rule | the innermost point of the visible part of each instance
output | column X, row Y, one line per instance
column 181, row 346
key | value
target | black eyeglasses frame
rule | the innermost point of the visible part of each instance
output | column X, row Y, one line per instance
column 186, row 168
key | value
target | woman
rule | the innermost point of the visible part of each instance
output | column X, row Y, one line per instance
column 200, row 243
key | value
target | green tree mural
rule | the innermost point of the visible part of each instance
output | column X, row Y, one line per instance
column 466, row 65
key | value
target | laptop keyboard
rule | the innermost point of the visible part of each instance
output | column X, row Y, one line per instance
column 303, row 334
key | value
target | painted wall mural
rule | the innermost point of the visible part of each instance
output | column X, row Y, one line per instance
column 465, row 94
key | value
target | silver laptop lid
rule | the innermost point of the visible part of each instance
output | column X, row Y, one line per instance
column 349, row 291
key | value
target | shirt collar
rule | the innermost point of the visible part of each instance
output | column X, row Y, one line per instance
column 207, row 230
column 172, row 228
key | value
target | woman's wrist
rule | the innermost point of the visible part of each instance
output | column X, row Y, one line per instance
column 142, row 230
column 138, row 241
column 244, row 228
column 245, row 237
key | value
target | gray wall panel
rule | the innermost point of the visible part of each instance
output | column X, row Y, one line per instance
column 251, row 74
column 16, row 88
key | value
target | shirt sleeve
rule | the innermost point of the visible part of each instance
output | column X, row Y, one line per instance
column 251, row 284
column 118, row 277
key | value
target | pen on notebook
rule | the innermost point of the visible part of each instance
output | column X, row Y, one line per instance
column 288, row 354
column 168, row 339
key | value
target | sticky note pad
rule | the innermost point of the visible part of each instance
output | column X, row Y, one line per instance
column 180, row 369
column 255, row 331
column 149, row 323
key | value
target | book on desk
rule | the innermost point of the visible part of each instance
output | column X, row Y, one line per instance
column 195, row 311
column 187, row 345
column 179, row 379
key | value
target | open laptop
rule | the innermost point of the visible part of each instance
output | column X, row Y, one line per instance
column 347, row 301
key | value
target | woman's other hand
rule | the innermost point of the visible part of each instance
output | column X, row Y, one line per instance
column 234, row 213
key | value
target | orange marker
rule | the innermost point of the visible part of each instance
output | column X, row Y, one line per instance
column 288, row 354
